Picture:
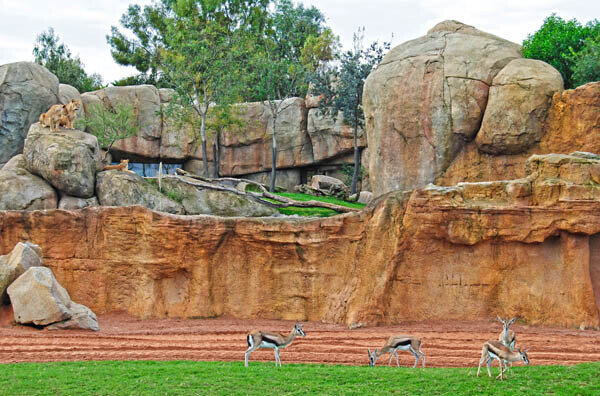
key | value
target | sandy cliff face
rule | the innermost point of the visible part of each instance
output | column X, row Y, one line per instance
column 529, row 247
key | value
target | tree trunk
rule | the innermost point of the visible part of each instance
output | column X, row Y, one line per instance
column 216, row 161
column 204, row 149
column 356, row 162
column 273, row 156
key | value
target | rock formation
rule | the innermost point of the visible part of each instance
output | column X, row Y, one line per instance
column 37, row 298
column 66, row 159
column 22, row 190
column 518, row 104
column 116, row 188
column 26, row 90
column 529, row 247
column 425, row 99
column 20, row 259
column 573, row 123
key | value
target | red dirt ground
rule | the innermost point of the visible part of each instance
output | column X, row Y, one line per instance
column 122, row 337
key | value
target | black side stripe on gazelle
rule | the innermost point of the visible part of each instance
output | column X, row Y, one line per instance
column 268, row 340
column 402, row 343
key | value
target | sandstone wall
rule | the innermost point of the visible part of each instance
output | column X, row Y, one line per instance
column 529, row 247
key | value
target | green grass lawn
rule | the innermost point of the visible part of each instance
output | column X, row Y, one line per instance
column 225, row 378
column 315, row 212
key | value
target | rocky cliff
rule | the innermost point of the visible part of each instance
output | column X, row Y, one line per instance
column 529, row 247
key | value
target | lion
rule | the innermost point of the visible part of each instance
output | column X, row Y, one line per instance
column 52, row 117
column 68, row 115
column 122, row 166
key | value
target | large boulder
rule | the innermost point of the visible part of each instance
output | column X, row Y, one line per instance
column 66, row 159
column 331, row 138
column 116, row 188
column 197, row 201
column 23, row 256
column 146, row 102
column 247, row 149
column 37, row 298
column 26, row 90
column 21, row 190
column 426, row 99
column 518, row 104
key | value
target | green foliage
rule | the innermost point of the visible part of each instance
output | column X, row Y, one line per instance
column 174, row 195
column 230, row 378
column 314, row 212
column 341, row 88
column 109, row 125
column 57, row 58
column 348, row 171
column 142, row 47
column 587, row 62
column 558, row 42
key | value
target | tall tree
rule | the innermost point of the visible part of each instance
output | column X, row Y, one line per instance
column 341, row 88
column 142, row 48
column 587, row 62
column 557, row 41
column 56, row 57
column 295, row 41
column 206, row 46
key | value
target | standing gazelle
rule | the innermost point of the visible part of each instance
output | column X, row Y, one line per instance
column 404, row 343
column 266, row 339
column 507, row 336
column 496, row 350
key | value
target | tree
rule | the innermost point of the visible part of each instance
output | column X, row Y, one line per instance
column 224, row 118
column 148, row 26
column 295, row 41
column 587, row 62
column 206, row 44
column 57, row 58
column 557, row 41
column 341, row 88
column 109, row 125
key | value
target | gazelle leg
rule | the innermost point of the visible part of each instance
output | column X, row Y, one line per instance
column 422, row 357
column 397, row 361
column 489, row 363
column 247, row 354
column 391, row 356
column 276, row 356
column 415, row 355
column 481, row 361
column 501, row 369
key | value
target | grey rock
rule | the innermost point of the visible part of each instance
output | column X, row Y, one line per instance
column 66, row 159
column 217, row 203
column 68, row 202
column 26, row 91
column 37, row 298
column 116, row 188
column 82, row 318
column 23, row 256
column 22, row 190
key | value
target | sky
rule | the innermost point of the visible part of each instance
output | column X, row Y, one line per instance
column 83, row 25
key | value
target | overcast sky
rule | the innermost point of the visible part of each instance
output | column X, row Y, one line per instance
column 83, row 25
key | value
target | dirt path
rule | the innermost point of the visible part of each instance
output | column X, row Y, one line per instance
column 446, row 344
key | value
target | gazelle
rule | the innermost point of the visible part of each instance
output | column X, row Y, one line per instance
column 496, row 350
column 395, row 343
column 265, row 339
column 507, row 337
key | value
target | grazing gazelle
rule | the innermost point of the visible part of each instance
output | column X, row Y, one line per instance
column 496, row 350
column 265, row 339
column 507, row 337
column 404, row 343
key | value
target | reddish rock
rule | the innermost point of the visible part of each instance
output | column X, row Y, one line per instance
column 573, row 124
column 467, row 252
